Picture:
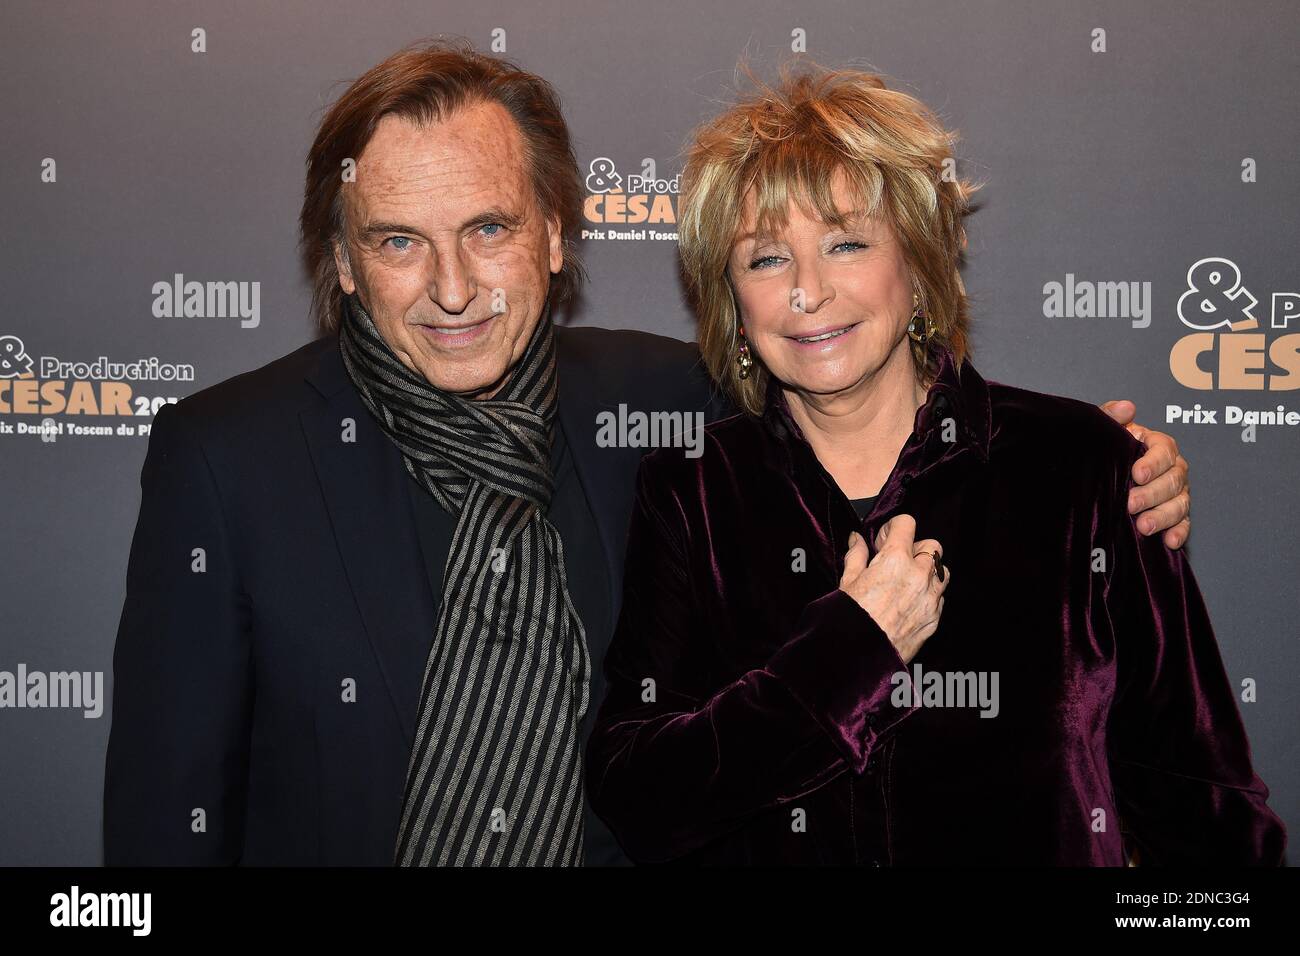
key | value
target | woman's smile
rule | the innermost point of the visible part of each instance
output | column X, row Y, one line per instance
column 823, row 339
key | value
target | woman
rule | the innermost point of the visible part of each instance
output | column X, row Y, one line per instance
column 970, row 687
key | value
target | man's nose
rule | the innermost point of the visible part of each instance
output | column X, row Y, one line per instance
column 451, row 283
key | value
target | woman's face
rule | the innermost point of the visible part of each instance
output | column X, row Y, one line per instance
column 848, row 288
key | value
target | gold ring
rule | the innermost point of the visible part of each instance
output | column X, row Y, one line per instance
column 937, row 558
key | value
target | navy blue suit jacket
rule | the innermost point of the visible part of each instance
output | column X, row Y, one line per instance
column 272, row 563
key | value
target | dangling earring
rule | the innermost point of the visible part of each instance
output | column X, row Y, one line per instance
column 921, row 328
column 743, row 360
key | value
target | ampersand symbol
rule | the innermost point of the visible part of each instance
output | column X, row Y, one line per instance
column 14, row 362
column 1215, row 297
column 603, row 177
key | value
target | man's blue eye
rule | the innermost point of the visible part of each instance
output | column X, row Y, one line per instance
column 492, row 225
column 396, row 239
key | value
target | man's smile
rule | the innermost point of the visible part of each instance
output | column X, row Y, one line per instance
column 457, row 335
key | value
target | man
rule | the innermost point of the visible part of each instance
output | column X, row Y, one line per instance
column 372, row 582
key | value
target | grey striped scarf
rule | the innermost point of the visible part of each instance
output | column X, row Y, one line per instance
column 495, row 775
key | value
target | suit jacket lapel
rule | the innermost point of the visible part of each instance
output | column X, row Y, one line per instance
column 600, row 472
column 362, row 483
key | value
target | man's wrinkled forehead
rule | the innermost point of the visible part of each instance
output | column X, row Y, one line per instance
column 473, row 160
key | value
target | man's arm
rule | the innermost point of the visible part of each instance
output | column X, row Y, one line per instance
column 176, row 771
column 1164, row 500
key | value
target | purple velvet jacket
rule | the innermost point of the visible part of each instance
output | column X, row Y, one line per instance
column 753, row 714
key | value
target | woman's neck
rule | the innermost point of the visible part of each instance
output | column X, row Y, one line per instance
column 857, row 434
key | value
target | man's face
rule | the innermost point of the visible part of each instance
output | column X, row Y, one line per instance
column 446, row 246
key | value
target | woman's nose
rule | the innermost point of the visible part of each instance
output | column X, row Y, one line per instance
column 811, row 291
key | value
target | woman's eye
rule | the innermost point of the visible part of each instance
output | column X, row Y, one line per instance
column 852, row 245
column 397, row 239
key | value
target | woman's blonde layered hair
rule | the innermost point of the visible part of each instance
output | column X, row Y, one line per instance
column 785, row 143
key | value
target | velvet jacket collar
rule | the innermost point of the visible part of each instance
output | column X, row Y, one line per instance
column 958, row 392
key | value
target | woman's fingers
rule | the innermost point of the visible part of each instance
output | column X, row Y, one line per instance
column 930, row 552
column 855, row 559
column 927, row 544
column 897, row 532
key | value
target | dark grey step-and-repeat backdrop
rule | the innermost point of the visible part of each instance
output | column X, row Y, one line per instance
column 150, row 144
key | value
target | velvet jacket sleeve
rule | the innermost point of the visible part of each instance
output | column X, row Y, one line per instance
column 677, row 757
column 1179, row 759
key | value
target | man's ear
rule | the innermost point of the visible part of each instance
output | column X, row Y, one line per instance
column 344, row 267
column 556, row 241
